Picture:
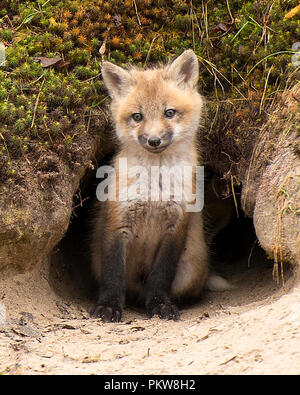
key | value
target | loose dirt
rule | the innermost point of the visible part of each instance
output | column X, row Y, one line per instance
column 251, row 329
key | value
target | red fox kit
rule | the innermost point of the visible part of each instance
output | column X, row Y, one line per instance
column 154, row 249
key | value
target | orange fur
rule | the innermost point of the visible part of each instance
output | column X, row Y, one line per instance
column 143, row 224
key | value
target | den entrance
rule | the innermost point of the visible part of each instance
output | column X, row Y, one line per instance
column 235, row 255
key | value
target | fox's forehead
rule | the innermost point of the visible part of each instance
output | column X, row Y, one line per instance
column 153, row 92
column 147, row 75
column 149, row 84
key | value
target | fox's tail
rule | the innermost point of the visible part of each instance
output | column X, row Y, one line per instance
column 215, row 282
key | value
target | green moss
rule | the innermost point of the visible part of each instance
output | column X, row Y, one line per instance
column 235, row 42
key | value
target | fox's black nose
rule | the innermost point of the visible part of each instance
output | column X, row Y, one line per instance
column 154, row 141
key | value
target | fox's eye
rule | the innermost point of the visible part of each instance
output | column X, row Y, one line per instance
column 170, row 113
column 137, row 116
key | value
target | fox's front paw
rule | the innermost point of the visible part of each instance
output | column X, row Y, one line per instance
column 163, row 308
column 106, row 313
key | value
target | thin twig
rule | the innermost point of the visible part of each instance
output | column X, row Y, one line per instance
column 251, row 251
column 213, row 66
column 137, row 14
column 192, row 20
column 206, row 24
column 148, row 54
column 4, row 142
column 92, row 78
column 36, row 103
column 232, row 18
column 264, row 92
column 89, row 121
column 80, row 204
column 197, row 23
column 234, row 198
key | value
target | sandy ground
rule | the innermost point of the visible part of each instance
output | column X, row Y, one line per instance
column 252, row 329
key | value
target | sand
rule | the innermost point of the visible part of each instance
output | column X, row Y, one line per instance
column 251, row 329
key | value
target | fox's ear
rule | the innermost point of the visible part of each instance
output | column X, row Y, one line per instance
column 184, row 69
column 116, row 79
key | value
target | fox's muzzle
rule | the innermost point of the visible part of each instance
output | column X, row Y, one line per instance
column 156, row 144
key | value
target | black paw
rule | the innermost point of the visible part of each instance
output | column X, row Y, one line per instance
column 106, row 313
column 164, row 310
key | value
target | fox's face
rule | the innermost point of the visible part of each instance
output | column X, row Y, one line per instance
column 156, row 107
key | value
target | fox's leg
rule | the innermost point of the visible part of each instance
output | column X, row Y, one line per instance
column 108, row 263
column 111, row 292
column 159, row 282
column 193, row 265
